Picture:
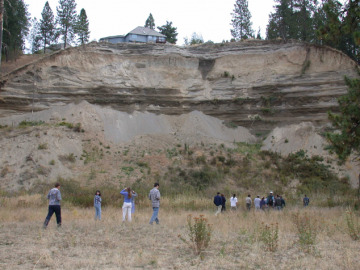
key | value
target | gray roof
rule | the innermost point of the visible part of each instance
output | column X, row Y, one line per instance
column 118, row 36
column 144, row 31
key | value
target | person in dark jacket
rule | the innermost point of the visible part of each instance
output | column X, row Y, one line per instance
column 223, row 203
column 278, row 202
column 306, row 201
column 263, row 203
column 270, row 200
column 54, row 197
column 282, row 202
column 218, row 203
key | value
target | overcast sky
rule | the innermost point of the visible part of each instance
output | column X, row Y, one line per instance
column 210, row 18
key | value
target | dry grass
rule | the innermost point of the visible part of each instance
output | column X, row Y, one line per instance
column 82, row 243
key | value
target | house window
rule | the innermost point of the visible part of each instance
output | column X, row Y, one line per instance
column 134, row 36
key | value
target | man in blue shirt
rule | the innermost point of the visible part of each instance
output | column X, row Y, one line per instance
column 218, row 202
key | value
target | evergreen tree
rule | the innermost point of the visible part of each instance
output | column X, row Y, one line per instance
column 48, row 26
column 16, row 26
column 281, row 22
column 304, row 12
column 195, row 39
column 66, row 18
column 1, row 26
column 34, row 36
column 150, row 22
column 169, row 31
column 241, row 21
column 345, row 140
column 82, row 28
column 340, row 27
column 258, row 35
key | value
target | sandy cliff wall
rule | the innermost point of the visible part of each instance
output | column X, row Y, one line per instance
column 258, row 84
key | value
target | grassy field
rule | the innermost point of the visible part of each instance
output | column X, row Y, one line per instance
column 239, row 240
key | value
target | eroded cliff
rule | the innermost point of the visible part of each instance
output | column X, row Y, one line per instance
column 257, row 84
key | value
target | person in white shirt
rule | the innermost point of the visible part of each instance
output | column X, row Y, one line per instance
column 257, row 202
column 233, row 202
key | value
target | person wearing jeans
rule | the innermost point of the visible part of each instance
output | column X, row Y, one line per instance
column 126, row 209
column 154, row 197
column 54, row 197
column 97, row 205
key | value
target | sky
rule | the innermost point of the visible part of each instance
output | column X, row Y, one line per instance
column 209, row 18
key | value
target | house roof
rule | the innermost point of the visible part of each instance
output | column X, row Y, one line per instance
column 118, row 36
column 144, row 31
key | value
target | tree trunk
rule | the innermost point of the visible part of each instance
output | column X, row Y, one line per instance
column 1, row 26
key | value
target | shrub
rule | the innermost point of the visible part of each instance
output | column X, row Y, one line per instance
column 127, row 170
column 306, row 231
column 69, row 158
column 199, row 233
column 43, row 146
column 30, row 123
column 353, row 225
column 52, row 162
column 269, row 235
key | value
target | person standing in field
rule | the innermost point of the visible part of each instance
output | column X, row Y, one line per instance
column 248, row 202
column 154, row 197
column 223, row 203
column 134, row 194
column 278, row 202
column 233, row 202
column 263, row 203
column 306, row 201
column 218, row 203
column 126, row 209
column 282, row 202
column 97, row 205
column 270, row 200
column 257, row 202
column 54, row 197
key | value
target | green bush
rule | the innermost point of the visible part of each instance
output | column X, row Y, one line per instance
column 31, row 123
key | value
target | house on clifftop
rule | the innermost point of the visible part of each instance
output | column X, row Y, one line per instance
column 139, row 34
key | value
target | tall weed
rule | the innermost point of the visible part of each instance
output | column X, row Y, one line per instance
column 199, row 233
column 307, row 230
column 353, row 224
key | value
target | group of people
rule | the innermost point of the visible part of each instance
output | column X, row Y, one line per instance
column 270, row 202
column 128, row 208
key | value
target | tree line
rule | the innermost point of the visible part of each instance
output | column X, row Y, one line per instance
column 67, row 25
column 325, row 22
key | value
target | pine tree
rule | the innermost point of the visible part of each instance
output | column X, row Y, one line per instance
column 346, row 139
column 241, row 21
column 16, row 23
column 48, row 26
column 66, row 18
column 169, row 31
column 340, row 27
column 258, row 35
column 35, row 37
column 1, row 26
column 281, row 22
column 82, row 28
column 150, row 22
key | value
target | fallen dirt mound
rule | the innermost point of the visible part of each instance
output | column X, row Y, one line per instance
column 121, row 127
column 55, row 148
column 303, row 136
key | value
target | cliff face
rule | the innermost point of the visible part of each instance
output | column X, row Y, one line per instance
column 257, row 84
